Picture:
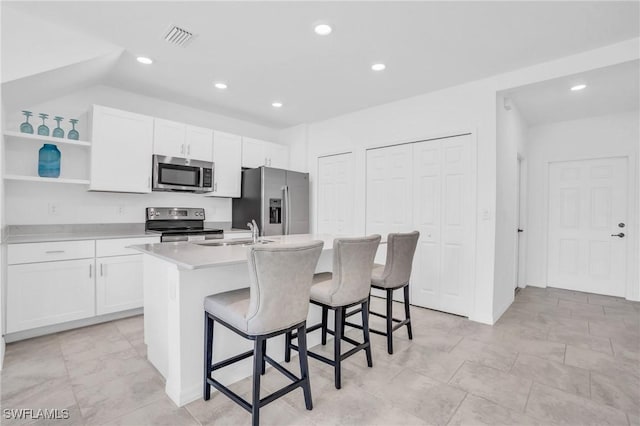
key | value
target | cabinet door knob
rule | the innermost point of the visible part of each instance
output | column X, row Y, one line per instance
column 620, row 235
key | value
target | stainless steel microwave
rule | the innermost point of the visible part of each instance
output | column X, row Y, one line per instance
column 182, row 174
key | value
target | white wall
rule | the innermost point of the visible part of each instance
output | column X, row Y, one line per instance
column 3, row 263
column 511, row 139
column 28, row 203
column 596, row 137
column 296, row 139
column 468, row 107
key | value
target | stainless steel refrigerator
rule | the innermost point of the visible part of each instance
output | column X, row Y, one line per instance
column 277, row 199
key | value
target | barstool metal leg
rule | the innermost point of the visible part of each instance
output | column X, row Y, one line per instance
column 365, row 332
column 258, row 358
column 390, row 321
column 339, row 315
column 264, row 353
column 208, row 358
column 406, row 311
column 325, row 312
column 287, row 346
column 304, row 366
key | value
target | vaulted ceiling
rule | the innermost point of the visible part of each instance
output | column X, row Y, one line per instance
column 267, row 51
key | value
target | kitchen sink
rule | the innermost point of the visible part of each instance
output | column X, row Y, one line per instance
column 239, row 242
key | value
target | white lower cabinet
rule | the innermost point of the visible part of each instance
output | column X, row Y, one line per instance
column 46, row 287
column 40, row 294
column 118, row 283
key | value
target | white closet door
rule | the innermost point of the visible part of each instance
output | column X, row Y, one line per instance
column 443, row 212
column 587, row 202
column 389, row 190
column 335, row 194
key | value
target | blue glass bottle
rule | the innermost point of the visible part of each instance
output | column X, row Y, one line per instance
column 43, row 130
column 26, row 127
column 49, row 161
column 58, row 132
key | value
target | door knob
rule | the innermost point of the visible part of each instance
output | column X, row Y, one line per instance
column 520, row 230
column 620, row 235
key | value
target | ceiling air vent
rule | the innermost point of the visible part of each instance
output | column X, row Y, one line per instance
column 178, row 36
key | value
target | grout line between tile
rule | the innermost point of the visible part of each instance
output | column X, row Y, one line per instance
column 456, row 372
column 457, row 408
column 528, row 396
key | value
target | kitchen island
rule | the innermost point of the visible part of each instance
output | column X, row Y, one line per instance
column 177, row 278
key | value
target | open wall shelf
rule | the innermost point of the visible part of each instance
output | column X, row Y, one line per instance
column 47, row 180
column 44, row 139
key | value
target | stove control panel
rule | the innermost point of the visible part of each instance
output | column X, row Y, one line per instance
column 175, row 213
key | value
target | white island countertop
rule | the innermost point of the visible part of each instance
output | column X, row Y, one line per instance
column 191, row 255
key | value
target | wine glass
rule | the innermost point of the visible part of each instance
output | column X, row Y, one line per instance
column 26, row 127
column 43, row 130
column 73, row 133
column 58, row 132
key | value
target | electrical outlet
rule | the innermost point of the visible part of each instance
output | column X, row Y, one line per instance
column 52, row 209
column 121, row 210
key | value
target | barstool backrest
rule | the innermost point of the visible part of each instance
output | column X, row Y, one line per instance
column 352, row 264
column 281, row 277
column 400, row 251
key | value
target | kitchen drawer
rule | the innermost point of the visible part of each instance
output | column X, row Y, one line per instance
column 118, row 246
column 45, row 252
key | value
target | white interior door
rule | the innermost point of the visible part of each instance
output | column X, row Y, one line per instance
column 587, row 205
column 389, row 190
column 443, row 213
column 335, row 194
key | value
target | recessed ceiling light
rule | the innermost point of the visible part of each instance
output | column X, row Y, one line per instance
column 378, row 67
column 220, row 85
column 276, row 104
column 578, row 87
column 322, row 29
column 144, row 60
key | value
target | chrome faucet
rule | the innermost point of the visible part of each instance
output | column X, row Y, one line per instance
column 255, row 231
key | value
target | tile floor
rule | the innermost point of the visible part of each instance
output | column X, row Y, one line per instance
column 555, row 357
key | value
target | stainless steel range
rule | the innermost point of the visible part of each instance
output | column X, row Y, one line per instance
column 179, row 224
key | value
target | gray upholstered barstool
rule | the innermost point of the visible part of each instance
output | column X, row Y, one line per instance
column 394, row 275
column 277, row 302
column 349, row 285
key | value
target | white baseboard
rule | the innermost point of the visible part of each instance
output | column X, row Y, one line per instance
column 50, row 329
column 501, row 312
column 2, row 346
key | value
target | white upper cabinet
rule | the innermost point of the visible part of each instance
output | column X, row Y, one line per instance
column 121, row 151
column 278, row 155
column 175, row 139
column 169, row 138
column 256, row 153
column 253, row 153
column 227, row 156
column 199, row 143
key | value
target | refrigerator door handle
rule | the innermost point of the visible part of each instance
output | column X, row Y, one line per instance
column 287, row 211
column 284, row 210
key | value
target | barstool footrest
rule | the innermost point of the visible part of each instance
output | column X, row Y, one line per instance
column 232, row 360
column 281, row 392
column 229, row 393
column 396, row 327
column 355, row 311
column 350, row 324
column 281, row 369
column 384, row 316
column 352, row 351
column 401, row 324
